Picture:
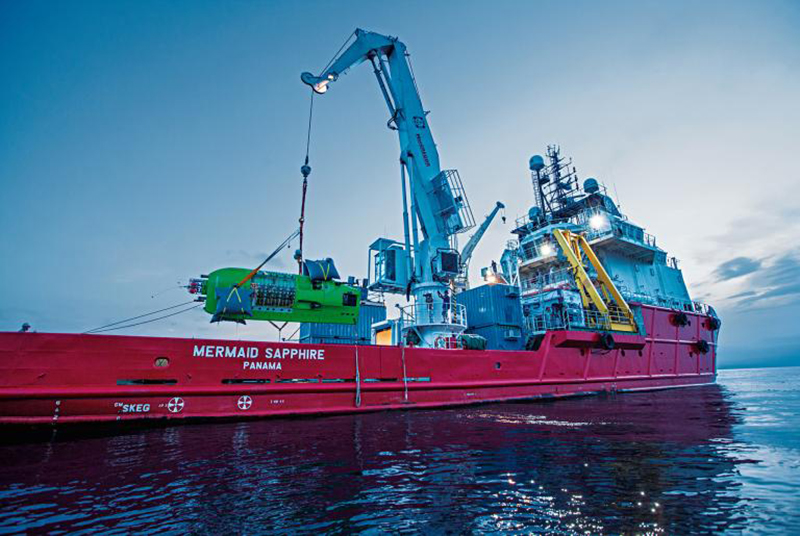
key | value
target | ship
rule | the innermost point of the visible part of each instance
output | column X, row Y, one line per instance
column 581, row 301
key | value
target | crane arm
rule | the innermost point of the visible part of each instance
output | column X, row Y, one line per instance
column 436, row 203
column 365, row 46
column 470, row 246
column 439, row 206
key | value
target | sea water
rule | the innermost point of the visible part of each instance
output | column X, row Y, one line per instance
column 718, row 458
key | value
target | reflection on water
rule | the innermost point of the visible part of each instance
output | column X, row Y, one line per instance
column 714, row 458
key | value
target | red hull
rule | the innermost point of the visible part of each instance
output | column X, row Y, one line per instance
column 63, row 378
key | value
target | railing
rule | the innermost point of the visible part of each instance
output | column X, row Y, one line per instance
column 545, row 322
column 663, row 301
column 525, row 221
column 623, row 230
column 435, row 313
column 637, row 297
column 673, row 262
column 574, row 319
column 704, row 309
column 454, row 207
column 538, row 248
column 540, row 282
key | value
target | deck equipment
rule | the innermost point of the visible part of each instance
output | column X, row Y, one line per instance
column 611, row 306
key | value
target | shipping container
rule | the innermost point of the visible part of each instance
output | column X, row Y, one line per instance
column 361, row 333
column 500, row 337
column 489, row 305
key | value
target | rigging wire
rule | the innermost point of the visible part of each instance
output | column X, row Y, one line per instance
column 160, row 292
column 302, row 221
column 255, row 270
column 311, row 105
column 137, row 317
column 94, row 332
column 349, row 37
column 411, row 68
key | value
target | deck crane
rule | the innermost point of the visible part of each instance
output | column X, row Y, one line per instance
column 423, row 268
column 462, row 282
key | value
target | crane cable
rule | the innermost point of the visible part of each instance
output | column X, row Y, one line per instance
column 310, row 117
column 305, row 170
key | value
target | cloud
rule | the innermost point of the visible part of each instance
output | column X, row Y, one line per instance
column 780, row 291
column 736, row 268
column 255, row 258
column 773, row 284
column 745, row 294
column 784, row 270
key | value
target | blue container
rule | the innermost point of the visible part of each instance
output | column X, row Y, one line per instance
column 490, row 305
column 499, row 337
column 361, row 333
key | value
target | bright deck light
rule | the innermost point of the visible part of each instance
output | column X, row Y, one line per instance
column 546, row 249
column 598, row 221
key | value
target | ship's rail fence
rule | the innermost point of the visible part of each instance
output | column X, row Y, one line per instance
column 573, row 318
column 544, row 281
column 435, row 313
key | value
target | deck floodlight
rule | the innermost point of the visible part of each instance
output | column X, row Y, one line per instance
column 597, row 222
column 317, row 83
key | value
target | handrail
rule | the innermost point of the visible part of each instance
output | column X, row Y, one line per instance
column 436, row 313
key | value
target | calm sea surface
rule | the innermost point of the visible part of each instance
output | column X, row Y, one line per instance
column 721, row 458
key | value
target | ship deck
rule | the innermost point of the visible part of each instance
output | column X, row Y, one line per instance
column 48, row 378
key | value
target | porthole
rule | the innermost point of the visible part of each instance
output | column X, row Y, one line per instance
column 161, row 362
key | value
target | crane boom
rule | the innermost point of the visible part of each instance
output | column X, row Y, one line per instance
column 438, row 201
column 388, row 56
column 462, row 281
column 466, row 253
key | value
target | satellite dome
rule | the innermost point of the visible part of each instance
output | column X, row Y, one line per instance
column 590, row 186
column 536, row 163
column 534, row 213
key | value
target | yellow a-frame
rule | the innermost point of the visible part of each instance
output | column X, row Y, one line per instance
column 613, row 307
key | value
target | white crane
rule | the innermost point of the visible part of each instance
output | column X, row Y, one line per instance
column 439, row 207
column 462, row 281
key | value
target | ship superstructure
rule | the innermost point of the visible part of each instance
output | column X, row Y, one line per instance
column 551, row 296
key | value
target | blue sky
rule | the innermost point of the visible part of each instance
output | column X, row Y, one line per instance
column 143, row 143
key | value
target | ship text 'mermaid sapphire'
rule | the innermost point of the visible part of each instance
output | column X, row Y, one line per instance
column 581, row 301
